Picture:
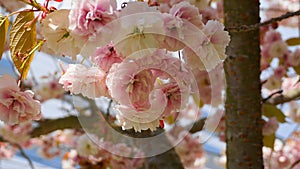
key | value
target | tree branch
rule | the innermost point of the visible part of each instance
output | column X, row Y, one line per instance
column 168, row 159
column 71, row 122
column 197, row 126
column 47, row 126
column 285, row 97
column 271, row 95
column 246, row 28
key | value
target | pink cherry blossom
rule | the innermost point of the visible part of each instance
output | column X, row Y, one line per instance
column 140, row 27
column 280, row 71
column 68, row 137
column 290, row 83
column 121, row 79
column 173, row 94
column 69, row 160
column 284, row 155
column 295, row 116
column 119, row 155
column 294, row 111
column 90, row 82
column 270, row 126
column 128, row 86
column 272, row 36
column 209, row 13
column 128, row 117
column 294, row 58
column 87, row 17
column 164, row 8
column 86, row 146
column 210, row 85
column 17, row 106
column 189, row 148
column 131, row 84
column 273, row 83
column 204, row 85
column 105, row 57
column 209, row 49
column 174, row 33
column 265, row 57
column 6, row 150
column 141, row 87
column 278, row 49
column 192, row 59
column 18, row 134
column 48, row 89
column 185, row 10
column 220, row 9
column 58, row 37
column 48, row 147
column 216, row 35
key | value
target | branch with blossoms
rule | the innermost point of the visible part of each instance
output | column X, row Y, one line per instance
column 127, row 57
column 71, row 122
column 245, row 28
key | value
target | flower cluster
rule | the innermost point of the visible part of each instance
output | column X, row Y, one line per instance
column 274, row 48
column 189, row 148
column 130, row 52
column 48, row 89
column 17, row 134
column 89, row 153
column 280, row 66
column 285, row 155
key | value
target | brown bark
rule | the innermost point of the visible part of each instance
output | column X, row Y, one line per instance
column 243, row 104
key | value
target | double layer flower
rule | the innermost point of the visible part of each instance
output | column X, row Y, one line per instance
column 17, row 106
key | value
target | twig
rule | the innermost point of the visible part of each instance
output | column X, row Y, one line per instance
column 245, row 28
column 25, row 155
column 197, row 126
column 290, row 95
column 274, row 10
column 295, row 163
column 107, row 109
column 271, row 95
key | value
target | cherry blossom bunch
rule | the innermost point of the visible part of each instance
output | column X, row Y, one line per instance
column 130, row 53
column 48, row 88
column 189, row 148
column 89, row 154
column 278, row 7
column 144, row 56
column 280, row 67
column 285, row 154
column 275, row 50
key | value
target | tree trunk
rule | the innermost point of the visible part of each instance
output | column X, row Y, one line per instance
column 243, row 104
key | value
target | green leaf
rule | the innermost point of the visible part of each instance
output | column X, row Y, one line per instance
column 293, row 41
column 269, row 141
column 270, row 110
column 4, row 23
column 22, row 41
